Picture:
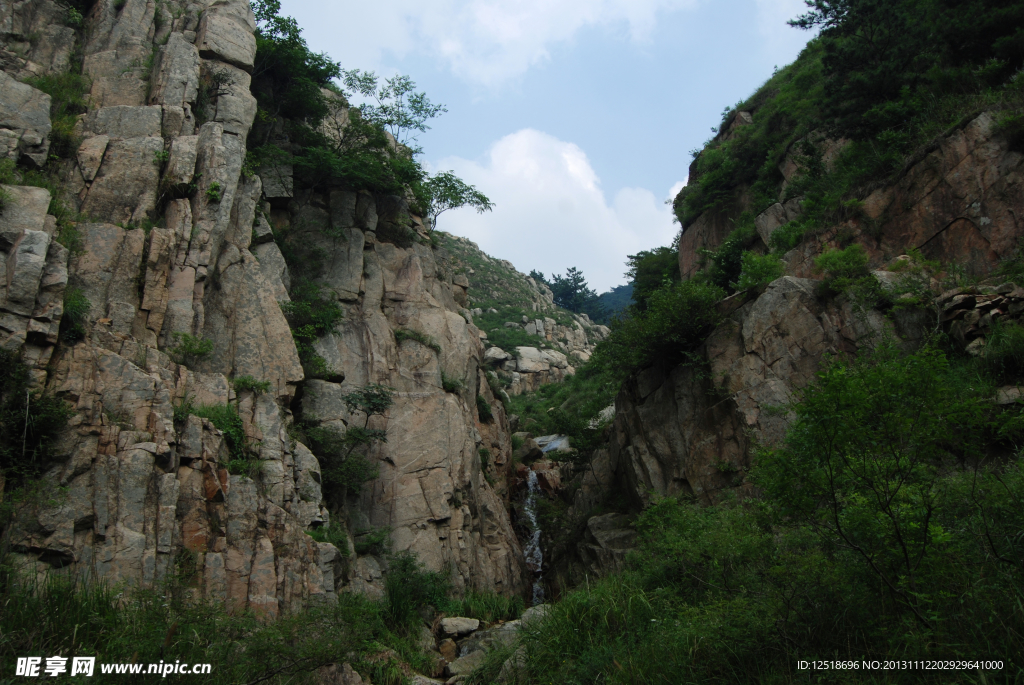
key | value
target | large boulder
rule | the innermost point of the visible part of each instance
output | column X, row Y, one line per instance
column 24, row 121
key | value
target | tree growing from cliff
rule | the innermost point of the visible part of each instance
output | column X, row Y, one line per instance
column 399, row 108
column 447, row 191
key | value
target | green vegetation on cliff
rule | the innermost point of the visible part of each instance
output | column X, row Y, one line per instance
column 885, row 77
column 889, row 527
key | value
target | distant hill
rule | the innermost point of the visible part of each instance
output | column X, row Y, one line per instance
column 615, row 300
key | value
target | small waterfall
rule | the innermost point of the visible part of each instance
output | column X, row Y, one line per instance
column 532, row 552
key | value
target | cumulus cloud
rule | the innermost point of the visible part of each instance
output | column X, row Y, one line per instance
column 551, row 213
column 485, row 42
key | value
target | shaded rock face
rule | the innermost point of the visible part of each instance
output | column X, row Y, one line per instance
column 677, row 432
column 143, row 496
column 433, row 491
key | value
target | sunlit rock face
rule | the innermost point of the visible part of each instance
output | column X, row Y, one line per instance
column 179, row 242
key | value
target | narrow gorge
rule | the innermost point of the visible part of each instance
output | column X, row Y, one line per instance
column 257, row 411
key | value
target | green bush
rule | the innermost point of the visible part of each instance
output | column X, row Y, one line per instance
column 1003, row 356
column 374, row 541
column 883, row 532
column 334, row 533
column 226, row 419
column 343, row 468
column 250, row 384
column 312, row 313
column 76, row 309
column 759, row 270
column 190, row 349
column 450, row 384
column 483, row 408
column 409, row 586
column 846, row 264
column 650, row 270
column 62, row 614
column 67, row 93
column 213, row 192
column 678, row 318
column 422, row 338
column 30, row 423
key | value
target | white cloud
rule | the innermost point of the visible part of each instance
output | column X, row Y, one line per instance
column 485, row 42
column 550, row 212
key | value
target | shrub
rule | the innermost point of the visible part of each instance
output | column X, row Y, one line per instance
column 213, row 192
column 759, row 270
column 1003, row 356
column 343, row 468
column 67, row 93
column 422, row 338
column 483, row 408
column 879, row 534
column 678, row 318
column 451, row 384
column 373, row 541
column 76, row 309
column 184, row 408
column 190, row 349
column 846, row 264
column 250, row 384
column 312, row 313
column 30, row 423
column 226, row 419
column 409, row 586
column 334, row 533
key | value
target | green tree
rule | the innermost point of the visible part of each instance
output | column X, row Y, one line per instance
column 863, row 463
column 399, row 108
column 447, row 191
column 571, row 291
column 343, row 468
column 650, row 270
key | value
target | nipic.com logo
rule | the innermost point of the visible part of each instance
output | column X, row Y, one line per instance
column 53, row 666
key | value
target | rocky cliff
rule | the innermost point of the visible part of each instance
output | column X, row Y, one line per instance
column 168, row 238
column 692, row 429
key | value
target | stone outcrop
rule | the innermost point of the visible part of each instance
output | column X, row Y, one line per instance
column 958, row 201
column 148, row 491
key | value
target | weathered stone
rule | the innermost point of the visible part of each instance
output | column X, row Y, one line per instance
column 25, row 112
column 226, row 33
column 24, row 269
column 122, row 122
column 236, row 106
column 125, row 188
column 90, row 155
column 457, row 625
column 181, row 164
column 530, row 360
column 25, row 211
column 274, row 269
column 175, row 79
column 467, row 664
column 277, row 181
column 495, row 355
column 769, row 220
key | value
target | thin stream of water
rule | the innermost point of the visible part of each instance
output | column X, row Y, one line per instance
column 532, row 552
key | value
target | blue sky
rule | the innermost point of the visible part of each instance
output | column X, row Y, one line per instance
column 575, row 117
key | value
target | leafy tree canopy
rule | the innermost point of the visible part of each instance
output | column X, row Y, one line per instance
column 447, row 191
column 652, row 269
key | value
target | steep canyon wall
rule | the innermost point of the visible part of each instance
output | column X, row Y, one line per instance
column 135, row 492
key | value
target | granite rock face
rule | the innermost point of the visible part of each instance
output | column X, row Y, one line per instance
column 140, row 489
